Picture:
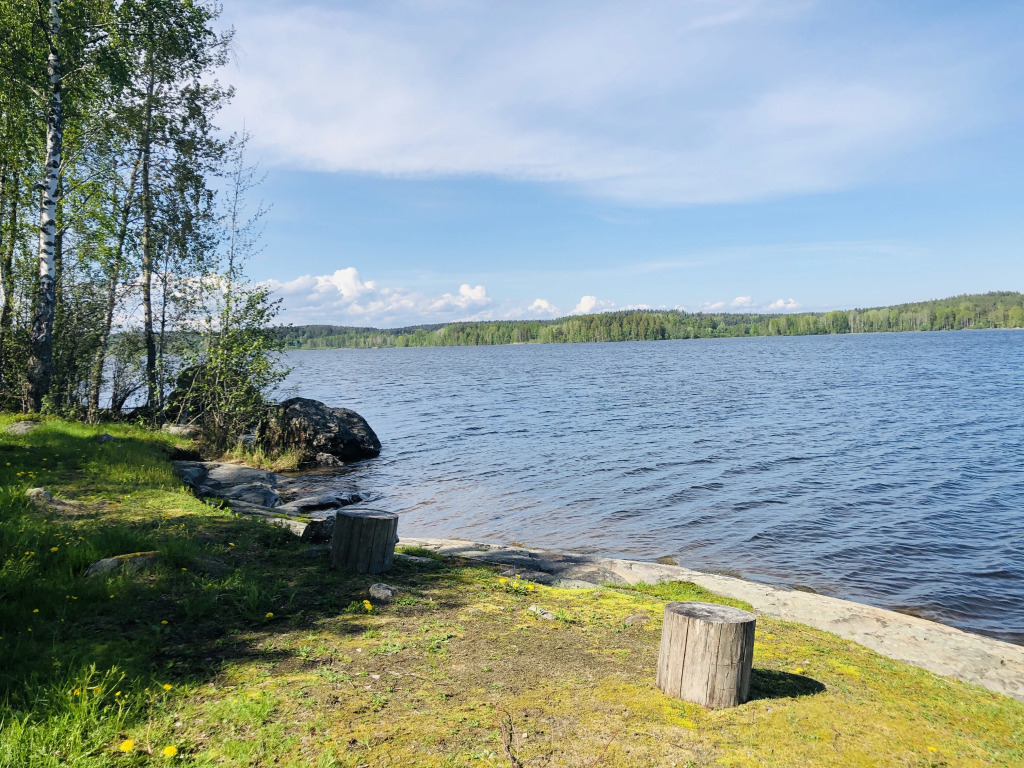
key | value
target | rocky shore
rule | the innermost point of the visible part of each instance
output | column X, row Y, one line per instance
column 983, row 661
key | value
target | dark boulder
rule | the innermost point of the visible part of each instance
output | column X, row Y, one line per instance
column 312, row 428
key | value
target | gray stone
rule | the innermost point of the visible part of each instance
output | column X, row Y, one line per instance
column 527, row 575
column 105, row 438
column 39, row 496
column 21, row 427
column 182, row 430
column 383, row 593
column 541, row 613
column 236, row 474
column 636, row 620
column 312, row 428
column 253, row 493
column 45, row 502
column 319, row 528
column 192, row 472
column 133, row 562
column 320, row 501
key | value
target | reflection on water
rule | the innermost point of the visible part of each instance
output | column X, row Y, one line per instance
column 881, row 468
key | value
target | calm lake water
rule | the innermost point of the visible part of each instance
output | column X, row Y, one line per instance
column 887, row 469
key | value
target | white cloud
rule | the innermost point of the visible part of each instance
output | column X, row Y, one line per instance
column 543, row 307
column 590, row 304
column 782, row 304
column 712, row 306
column 684, row 103
column 343, row 298
column 742, row 301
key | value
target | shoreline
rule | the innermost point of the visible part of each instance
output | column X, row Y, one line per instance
column 992, row 664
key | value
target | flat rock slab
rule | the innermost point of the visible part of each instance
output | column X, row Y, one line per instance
column 992, row 664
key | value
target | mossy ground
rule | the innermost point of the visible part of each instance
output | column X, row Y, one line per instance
column 242, row 648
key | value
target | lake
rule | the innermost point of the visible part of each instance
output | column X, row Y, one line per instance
column 886, row 469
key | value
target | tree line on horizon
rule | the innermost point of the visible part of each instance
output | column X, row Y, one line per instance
column 967, row 312
column 123, row 220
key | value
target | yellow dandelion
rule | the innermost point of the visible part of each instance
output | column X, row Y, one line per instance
column 517, row 575
column 933, row 749
column 231, row 543
column 54, row 549
column 78, row 692
column 167, row 686
column 127, row 745
column 35, row 610
column 116, row 694
column 799, row 670
column 164, row 621
column 502, row 580
column 270, row 614
column 530, row 587
column 170, row 751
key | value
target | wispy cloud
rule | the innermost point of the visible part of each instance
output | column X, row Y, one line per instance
column 683, row 103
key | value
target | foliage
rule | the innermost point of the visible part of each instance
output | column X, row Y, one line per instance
column 235, row 364
column 137, row 230
column 990, row 310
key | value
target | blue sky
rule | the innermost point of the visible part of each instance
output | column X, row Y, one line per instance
column 435, row 161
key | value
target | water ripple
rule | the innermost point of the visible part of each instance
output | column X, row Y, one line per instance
column 884, row 469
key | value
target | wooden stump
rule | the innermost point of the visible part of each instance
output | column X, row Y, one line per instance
column 364, row 541
column 707, row 652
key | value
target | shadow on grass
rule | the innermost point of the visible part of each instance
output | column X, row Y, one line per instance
column 773, row 684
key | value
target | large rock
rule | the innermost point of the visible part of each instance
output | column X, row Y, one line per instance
column 312, row 428
column 21, row 427
column 252, row 493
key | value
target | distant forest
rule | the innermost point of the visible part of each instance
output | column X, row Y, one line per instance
column 989, row 310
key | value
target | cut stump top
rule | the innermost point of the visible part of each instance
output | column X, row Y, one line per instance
column 711, row 612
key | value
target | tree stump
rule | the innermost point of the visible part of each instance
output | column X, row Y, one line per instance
column 707, row 652
column 364, row 541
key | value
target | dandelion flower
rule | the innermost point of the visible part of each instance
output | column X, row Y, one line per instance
column 35, row 610
column 530, row 587
column 933, row 749
column 54, row 549
column 231, row 543
column 116, row 694
column 270, row 614
column 127, row 745
column 164, row 621
column 167, row 686
column 170, row 751
column 502, row 580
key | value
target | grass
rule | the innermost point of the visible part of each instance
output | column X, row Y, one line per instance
column 242, row 648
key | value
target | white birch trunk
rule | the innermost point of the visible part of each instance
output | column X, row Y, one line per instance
column 40, row 365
